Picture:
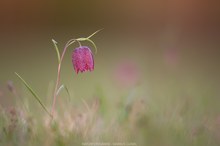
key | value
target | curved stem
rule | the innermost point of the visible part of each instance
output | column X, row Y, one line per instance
column 60, row 62
column 55, row 90
column 80, row 45
column 58, row 76
column 70, row 42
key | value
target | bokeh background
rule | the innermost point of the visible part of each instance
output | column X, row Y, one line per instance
column 165, row 51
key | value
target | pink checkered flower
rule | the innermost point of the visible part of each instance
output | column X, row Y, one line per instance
column 82, row 59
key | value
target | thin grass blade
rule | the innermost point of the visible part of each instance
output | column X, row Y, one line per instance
column 61, row 88
column 33, row 93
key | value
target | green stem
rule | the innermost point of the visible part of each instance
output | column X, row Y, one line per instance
column 58, row 76
column 70, row 42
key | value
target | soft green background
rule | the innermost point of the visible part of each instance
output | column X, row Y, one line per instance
column 181, row 100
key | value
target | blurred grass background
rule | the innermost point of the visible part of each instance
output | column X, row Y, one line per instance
column 171, row 49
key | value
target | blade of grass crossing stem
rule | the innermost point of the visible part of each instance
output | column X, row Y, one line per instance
column 61, row 88
column 33, row 93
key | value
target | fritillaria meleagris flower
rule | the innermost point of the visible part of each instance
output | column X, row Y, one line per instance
column 82, row 59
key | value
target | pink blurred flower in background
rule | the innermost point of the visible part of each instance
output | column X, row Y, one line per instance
column 171, row 57
column 127, row 74
column 82, row 59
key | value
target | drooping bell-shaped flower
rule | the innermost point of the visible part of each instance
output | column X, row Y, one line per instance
column 82, row 59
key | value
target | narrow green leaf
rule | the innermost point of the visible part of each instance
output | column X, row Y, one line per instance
column 94, row 33
column 92, row 44
column 33, row 93
column 81, row 39
column 63, row 87
column 57, row 50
